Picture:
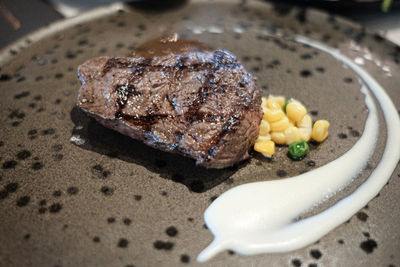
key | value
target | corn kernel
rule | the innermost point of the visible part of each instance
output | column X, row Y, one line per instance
column 281, row 100
column 278, row 137
column 280, row 126
column 305, row 133
column 264, row 128
column 320, row 130
column 263, row 101
column 263, row 138
column 265, row 147
column 292, row 134
column 272, row 104
column 273, row 115
column 295, row 111
column 278, row 99
column 306, row 122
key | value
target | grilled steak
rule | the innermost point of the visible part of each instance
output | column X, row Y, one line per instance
column 203, row 105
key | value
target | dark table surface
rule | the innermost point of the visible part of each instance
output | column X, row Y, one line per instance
column 34, row 14
column 31, row 14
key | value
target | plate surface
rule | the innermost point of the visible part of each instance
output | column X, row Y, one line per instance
column 73, row 193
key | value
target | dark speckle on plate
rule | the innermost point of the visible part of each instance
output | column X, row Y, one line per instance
column 110, row 219
column 305, row 73
column 185, row 258
column 55, row 208
column 10, row 164
column 107, row 191
column 171, row 231
column 368, row 246
column 23, row 201
column 123, row 243
column 73, row 190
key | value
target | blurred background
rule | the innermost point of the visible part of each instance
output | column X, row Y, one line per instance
column 20, row 17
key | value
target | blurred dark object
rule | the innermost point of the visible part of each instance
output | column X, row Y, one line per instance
column 157, row 5
column 70, row 8
column 28, row 14
column 20, row 17
column 366, row 12
column 341, row 6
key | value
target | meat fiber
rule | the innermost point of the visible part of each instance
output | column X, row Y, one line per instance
column 201, row 104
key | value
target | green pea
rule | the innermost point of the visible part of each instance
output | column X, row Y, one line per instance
column 298, row 150
column 286, row 103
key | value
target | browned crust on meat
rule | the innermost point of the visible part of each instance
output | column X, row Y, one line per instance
column 204, row 105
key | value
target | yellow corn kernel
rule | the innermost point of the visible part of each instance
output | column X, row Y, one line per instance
column 295, row 111
column 263, row 138
column 263, row 101
column 305, row 127
column 279, row 99
column 264, row 128
column 265, row 147
column 278, row 137
column 306, row 122
column 272, row 104
column 305, row 133
column 279, row 126
column 292, row 134
column 320, row 130
column 273, row 115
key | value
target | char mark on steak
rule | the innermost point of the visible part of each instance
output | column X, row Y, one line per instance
column 204, row 105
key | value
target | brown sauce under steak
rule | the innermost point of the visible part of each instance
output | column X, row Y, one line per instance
column 169, row 45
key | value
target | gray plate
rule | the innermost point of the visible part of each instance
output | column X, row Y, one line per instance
column 107, row 200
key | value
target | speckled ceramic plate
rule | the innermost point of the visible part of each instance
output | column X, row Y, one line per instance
column 73, row 193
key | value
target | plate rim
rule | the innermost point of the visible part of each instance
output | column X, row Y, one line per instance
column 22, row 43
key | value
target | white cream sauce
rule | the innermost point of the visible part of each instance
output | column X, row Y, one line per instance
column 260, row 217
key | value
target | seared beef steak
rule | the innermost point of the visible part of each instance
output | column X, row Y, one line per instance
column 204, row 105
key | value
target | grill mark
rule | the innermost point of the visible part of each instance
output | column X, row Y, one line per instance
column 146, row 65
column 193, row 113
column 145, row 122
column 228, row 127
column 123, row 63
column 129, row 89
